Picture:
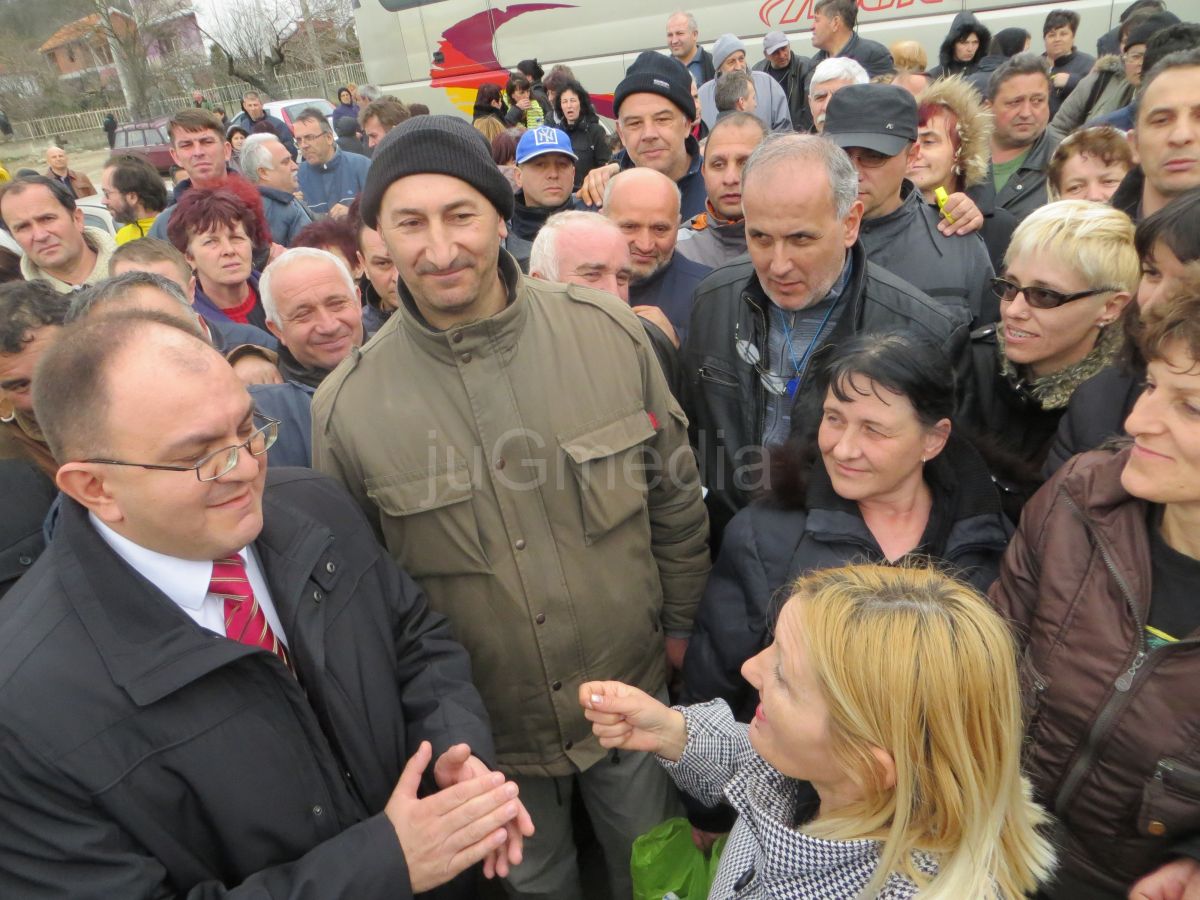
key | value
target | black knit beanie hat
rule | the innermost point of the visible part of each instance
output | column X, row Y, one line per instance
column 654, row 73
column 442, row 145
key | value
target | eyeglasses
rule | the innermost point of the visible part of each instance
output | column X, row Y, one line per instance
column 1040, row 298
column 305, row 140
column 748, row 353
column 219, row 462
column 868, row 159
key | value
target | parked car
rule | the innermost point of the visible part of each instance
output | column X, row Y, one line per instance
column 149, row 140
column 96, row 214
column 289, row 109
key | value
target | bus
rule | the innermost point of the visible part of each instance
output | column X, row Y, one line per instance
column 439, row 52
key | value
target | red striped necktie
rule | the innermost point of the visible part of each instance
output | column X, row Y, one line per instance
column 244, row 618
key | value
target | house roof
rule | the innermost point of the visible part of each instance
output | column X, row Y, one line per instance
column 77, row 30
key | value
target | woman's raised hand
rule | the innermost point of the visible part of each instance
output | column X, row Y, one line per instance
column 627, row 718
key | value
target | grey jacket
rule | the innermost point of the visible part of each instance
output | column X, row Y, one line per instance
column 951, row 270
column 712, row 241
column 285, row 214
column 772, row 106
column 1025, row 191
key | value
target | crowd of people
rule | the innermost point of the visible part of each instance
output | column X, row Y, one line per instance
column 849, row 402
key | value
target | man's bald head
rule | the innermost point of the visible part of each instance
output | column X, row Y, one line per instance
column 645, row 205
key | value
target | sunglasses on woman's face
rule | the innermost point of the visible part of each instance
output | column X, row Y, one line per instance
column 1037, row 297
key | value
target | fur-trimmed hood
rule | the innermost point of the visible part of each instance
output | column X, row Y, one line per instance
column 974, row 125
column 1111, row 63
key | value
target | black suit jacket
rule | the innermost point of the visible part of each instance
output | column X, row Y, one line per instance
column 141, row 755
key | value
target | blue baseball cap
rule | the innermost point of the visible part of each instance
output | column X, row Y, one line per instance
column 541, row 140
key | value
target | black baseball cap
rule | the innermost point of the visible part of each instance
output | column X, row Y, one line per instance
column 879, row 117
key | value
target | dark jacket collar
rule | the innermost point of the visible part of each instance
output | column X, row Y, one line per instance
column 1128, row 196
column 527, row 221
column 150, row 647
column 294, row 370
column 695, row 159
column 277, row 195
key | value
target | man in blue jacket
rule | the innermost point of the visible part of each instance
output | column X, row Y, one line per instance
column 253, row 114
column 330, row 178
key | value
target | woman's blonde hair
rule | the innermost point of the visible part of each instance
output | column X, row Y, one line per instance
column 1090, row 238
column 909, row 55
column 918, row 664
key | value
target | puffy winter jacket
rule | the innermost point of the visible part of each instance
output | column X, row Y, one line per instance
column 1111, row 728
column 1103, row 91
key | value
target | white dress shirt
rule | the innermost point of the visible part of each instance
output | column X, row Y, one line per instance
column 186, row 581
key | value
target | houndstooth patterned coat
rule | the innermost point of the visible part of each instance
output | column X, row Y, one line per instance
column 766, row 856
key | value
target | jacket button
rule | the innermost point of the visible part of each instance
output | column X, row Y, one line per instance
column 500, row 463
column 520, row 544
column 456, row 337
column 330, row 568
column 568, row 745
column 540, row 618
column 25, row 560
column 1156, row 828
column 466, row 357
column 318, row 810
column 557, row 686
column 1020, row 187
column 318, row 596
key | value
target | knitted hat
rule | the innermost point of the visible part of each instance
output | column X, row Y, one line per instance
column 442, row 145
column 726, row 46
column 654, row 73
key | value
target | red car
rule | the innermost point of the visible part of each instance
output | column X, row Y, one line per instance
column 148, row 140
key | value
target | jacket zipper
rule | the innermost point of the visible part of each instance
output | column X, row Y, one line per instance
column 1117, row 702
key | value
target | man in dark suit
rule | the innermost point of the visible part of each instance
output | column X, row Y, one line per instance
column 215, row 682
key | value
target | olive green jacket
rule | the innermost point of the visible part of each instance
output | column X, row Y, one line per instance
column 532, row 472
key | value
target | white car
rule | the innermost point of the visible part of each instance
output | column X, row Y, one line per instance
column 287, row 110
column 96, row 214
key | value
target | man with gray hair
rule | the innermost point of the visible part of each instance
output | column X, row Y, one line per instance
column 644, row 205
column 329, row 178
column 829, row 77
column 729, row 55
column 313, row 306
column 587, row 249
column 268, row 166
column 757, row 325
column 1018, row 95
column 735, row 93
column 683, row 40
column 367, row 93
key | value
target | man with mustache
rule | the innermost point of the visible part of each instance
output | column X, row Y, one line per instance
column 517, row 448
column 1018, row 94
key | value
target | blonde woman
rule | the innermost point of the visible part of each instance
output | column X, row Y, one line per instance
column 1069, row 272
column 866, row 772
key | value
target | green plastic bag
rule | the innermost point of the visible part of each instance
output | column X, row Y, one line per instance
column 665, row 861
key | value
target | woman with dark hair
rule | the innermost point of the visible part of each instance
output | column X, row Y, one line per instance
column 577, row 117
column 488, row 103
column 216, row 232
column 537, row 89
column 1006, row 43
column 1168, row 245
column 965, row 45
column 504, row 155
column 236, row 135
column 1099, row 583
column 523, row 107
column 346, row 106
column 884, row 481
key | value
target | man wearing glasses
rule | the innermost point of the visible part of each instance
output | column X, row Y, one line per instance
column 757, row 325
column 329, row 178
column 215, row 681
column 876, row 124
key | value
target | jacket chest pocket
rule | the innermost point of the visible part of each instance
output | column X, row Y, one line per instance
column 429, row 523
column 1171, row 801
column 610, row 464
